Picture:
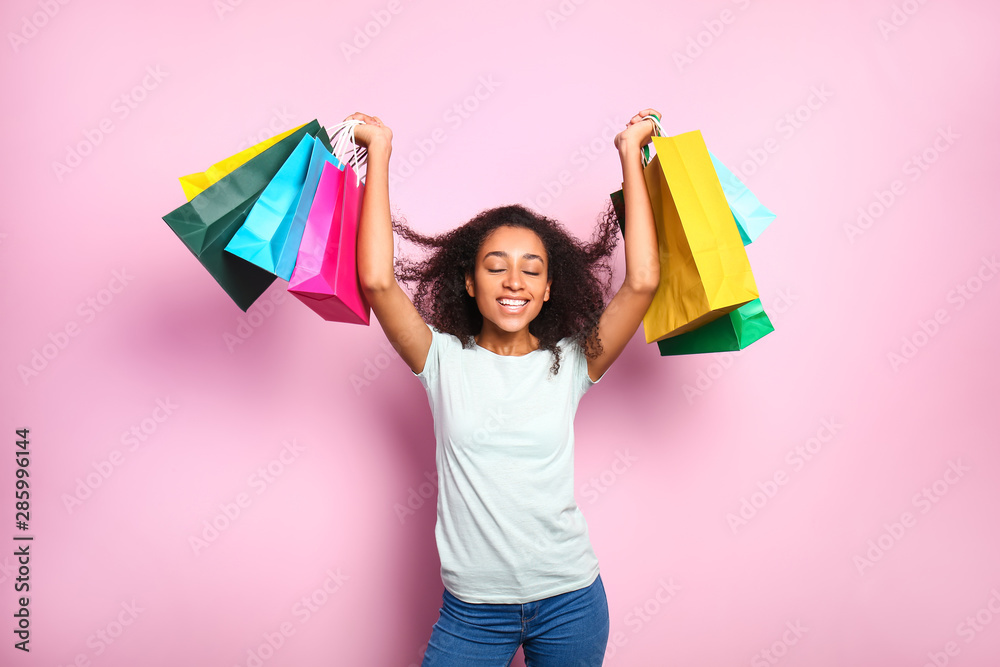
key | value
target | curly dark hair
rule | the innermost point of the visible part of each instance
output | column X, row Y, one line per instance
column 580, row 273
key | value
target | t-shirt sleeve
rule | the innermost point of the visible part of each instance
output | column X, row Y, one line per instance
column 432, row 365
column 579, row 358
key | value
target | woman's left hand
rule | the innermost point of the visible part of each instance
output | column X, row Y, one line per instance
column 638, row 132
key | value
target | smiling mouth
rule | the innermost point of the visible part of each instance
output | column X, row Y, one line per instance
column 512, row 305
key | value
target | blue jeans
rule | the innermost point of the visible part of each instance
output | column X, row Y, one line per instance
column 566, row 630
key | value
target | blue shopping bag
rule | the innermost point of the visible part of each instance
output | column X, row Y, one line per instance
column 266, row 231
column 321, row 154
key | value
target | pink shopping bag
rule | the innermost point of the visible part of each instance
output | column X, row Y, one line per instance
column 326, row 269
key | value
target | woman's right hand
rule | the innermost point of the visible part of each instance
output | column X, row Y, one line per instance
column 372, row 131
column 637, row 133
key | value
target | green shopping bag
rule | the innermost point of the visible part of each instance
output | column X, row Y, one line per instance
column 208, row 222
column 733, row 331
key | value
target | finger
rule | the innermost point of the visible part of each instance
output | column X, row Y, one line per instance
column 359, row 116
column 641, row 116
column 640, row 119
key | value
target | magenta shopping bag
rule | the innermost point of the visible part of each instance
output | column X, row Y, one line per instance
column 326, row 268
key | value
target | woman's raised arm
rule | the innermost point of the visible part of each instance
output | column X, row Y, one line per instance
column 626, row 309
column 402, row 324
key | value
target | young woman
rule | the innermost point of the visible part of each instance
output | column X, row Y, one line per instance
column 507, row 331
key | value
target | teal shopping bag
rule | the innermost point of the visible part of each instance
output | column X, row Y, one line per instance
column 321, row 154
column 752, row 217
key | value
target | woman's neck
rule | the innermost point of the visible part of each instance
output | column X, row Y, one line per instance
column 507, row 343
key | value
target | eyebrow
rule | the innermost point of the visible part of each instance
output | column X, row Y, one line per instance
column 503, row 254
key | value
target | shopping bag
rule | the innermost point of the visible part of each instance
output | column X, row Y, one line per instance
column 733, row 331
column 325, row 277
column 321, row 155
column 265, row 232
column 195, row 184
column 752, row 217
column 704, row 270
column 208, row 222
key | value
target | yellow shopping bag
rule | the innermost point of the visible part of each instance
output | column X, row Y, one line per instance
column 195, row 184
column 704, row 270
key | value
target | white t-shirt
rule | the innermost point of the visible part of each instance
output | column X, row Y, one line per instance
column 508, row 527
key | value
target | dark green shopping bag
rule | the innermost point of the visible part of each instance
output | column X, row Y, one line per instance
column 208, row 222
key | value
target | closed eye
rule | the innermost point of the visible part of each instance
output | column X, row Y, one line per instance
column 530, row 273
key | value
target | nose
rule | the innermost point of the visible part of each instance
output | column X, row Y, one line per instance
column 512, row 280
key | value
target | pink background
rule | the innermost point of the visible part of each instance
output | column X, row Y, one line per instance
column 845, row 550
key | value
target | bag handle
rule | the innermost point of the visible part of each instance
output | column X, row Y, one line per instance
column 657, row 131
column 344, row 135
column 343, row 132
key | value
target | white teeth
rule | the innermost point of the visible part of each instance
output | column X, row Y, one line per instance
column 512, row 302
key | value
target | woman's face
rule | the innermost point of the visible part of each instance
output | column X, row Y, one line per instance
column 511, row 280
